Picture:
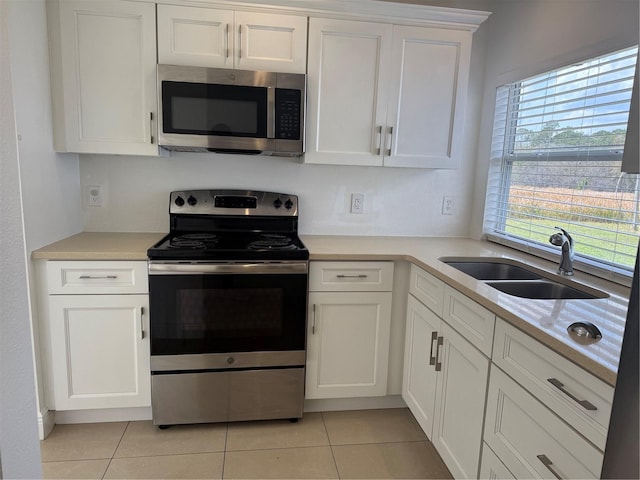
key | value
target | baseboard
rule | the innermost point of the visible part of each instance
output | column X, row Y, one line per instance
column 361, row 403
column 46, row 422
column 103, row 415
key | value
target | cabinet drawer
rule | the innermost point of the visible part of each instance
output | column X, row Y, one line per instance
column 579, row 398
column 530, row 440
column 428, row 289
column 472, row 321
column 351, row 276
column 75, row 277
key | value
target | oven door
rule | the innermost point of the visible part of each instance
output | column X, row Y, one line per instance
column 220, row 308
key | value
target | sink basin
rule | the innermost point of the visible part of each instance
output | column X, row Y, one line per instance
column 518, row 279
column 493, row 270
column 544, row 290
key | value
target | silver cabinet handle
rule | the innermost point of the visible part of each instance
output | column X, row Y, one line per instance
column 438, row 362
column 390, row 141
column 142, row 323
column 379, row 132
column 313, row 323
column 239, row 41
column 151, row 127
column 362, row 275
column 92, row 277
column 549, row 464
column 432, row 359
column 560, row 386
column 226, row 41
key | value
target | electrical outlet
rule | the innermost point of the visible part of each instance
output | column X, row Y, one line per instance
column 448, row 205
column 357, row 202
column 94, row 195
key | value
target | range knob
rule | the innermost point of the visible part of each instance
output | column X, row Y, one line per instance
column 192, row 200
column 288, row 204
column 277, row 203
column 179, row 201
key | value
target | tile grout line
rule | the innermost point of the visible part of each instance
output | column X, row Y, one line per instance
column 335, row 464
column 224, row 451
column 115, row 450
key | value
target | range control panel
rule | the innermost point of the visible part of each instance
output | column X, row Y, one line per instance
column 233, row 202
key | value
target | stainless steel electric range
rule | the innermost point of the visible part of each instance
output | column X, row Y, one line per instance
column 228, row 307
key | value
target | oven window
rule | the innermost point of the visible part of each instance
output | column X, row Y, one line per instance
column 194, row 314
column 230, row 313
column 204, row 109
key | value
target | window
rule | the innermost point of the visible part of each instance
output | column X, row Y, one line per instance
column 556, row 158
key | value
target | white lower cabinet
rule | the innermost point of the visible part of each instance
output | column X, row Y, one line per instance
column 460, row 402
column 348, row 344
column 94, row 333
column 100, row 351
column 532, row 441
column 419, row 379
column 348, row 329
column 444, row 385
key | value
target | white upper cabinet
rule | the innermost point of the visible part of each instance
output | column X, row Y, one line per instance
column 270, row 42
column 103, row 62
column 386, row 95
column 429, row 78
column 347, row 83
column 198, row 37
column 206, row 37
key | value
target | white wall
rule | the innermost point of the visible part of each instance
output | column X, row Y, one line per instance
column 527, row 37
column 50, row 182
column 397, row 201
column 19, row 448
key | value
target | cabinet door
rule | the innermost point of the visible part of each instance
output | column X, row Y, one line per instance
column 492, row 468
column 430, row 71
column 108, row 75
column 460, row 401
column 271, row 42
column 419, row 377
column 347, row 85
column 198, row 37
column 530, row 440
column 348, row 344
column 100, row 351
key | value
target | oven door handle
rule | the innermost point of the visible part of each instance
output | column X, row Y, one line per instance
column 246, row 268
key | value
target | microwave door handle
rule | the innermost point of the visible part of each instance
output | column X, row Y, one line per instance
column 271, row 116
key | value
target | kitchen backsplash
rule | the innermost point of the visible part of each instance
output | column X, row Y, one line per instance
column 399, row 202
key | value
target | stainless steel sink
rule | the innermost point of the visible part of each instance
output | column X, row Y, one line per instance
column 493, row 270
column 544, row 290
column 520, row 280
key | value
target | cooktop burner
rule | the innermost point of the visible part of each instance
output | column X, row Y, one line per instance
column 230, row 225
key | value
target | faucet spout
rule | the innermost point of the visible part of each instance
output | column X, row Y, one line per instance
column 566, row 243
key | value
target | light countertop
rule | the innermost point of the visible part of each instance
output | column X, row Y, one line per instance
column 545, row 320
column 100, row 246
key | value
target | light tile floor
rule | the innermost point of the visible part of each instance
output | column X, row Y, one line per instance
column 350, row 444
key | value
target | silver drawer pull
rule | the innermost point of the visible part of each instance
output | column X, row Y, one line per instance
column 91, row 277
column 560, row 386
column 438, row 362
column 549, row 464
column 432, row 359
column 362, row 275
column 313, row 325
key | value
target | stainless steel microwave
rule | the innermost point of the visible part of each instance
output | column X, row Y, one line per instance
column 231, row 111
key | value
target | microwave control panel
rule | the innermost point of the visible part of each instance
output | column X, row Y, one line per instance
column 288, row 114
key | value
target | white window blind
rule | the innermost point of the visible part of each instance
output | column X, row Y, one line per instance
column 556, row 157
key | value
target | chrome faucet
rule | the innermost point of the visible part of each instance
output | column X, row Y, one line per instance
column 564, row 241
